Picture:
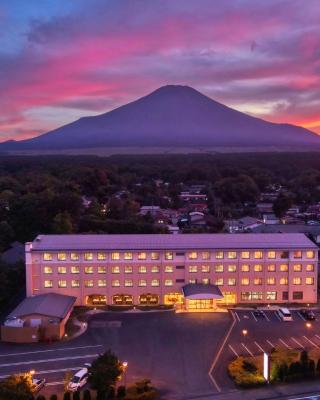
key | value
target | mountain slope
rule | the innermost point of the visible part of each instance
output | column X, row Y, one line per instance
column 170, row 116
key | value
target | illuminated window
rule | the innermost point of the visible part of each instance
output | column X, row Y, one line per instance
column 115, row 256
column 219, row 282
column 154, row 255
column 102, row 283
column 168, row 255
column 257, row 281
column 48, row 284
column 192, row 281
column 232, row 254
column 245, row 296
column 75, row 283
column 271, row 296
column 219, row 268
column 155, row 282
column 245, row 254
column 258, row 255
column 193, row 268
column 62, row 283
column 142, row 282
column 168, row 268
column 310, row 254
column 257, row 268
column 102, row 269
column 297, row 254
column 271, row 268
column 128, row 269
column 88, row 270
column 271, row 281
column 271, row 254
column 142, row 256
column 256, row 295
column 245, row 268
column 88, row 256
column 62, row 256
column 128, row 256
column 142, row 269
column 62, row 270
column 74, row 256
column 296, row 280
column 283, row 281
column 115, row 283
column 206, row 281
column 205, row 255
column 128, row 282
column 309, row 280
column 168, row 282
column 231, row 282
column 47, row 270
column 205, row 268
column 75, row 269
column 309, row 267
column 284, row 267
column 88, row 283
column 102, row 256
column 297, row 267
column 193, row 255
column 47, row 256
column 115, row 269
column 232, row 268
column 245, row 281
column 219, row 254
column 155, row 268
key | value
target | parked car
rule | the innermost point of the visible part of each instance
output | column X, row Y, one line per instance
column 38, row 384
column 78, row 380
column 285, row 314
column 258, row 313
column 308, row 314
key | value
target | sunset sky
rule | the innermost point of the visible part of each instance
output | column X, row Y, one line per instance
column 61, row 60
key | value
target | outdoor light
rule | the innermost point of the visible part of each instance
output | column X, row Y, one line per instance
column 32, row 372
column 125, row 364
column 308, row 325
column 244, row 332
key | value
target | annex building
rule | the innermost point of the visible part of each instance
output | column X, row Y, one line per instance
column 192, row 271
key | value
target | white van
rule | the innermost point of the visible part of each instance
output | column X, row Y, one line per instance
column 285, row 314
column 78, row 380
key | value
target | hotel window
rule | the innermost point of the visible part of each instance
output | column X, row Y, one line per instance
column 102, row 256
column 310, row 254
column 297, row 267
column 285, row 295
column 258, row 255
column 283, row 281
column 75, row 283
column 309, row 280
column 62, row 270
column 271, row 296
column 168, row 268
column 271, row 281
column 193, row 268
column 284, row 267
column 62, row 283
column 115, row 256
column 245, row 281
column 115, row 269
column 168, row 255
column 128, row 269
column 142, row 255
column 309, row 267
column 257, row 268
column 205, row 268
column 219, row 255
column 155, row 268
column 271, row 254
column 219, row 268
column 88, row 270
column 232, row 254
column 47, row 256
column 115, row 283
column 142, row 269
column 297, row 295
column 88, row 256
column 154, row 255
column 74, row 256
column 284, row 254
column 206, row 281
column 296, row 280
column 193, row 255
column 245, row 254
column 75, row 270
column 271, row 268
column 102, row 283
column 168, row 282
column 88, row 283
column 232, row 268
column 47, row 270
column 48, row 284
column 205, row 255
column 155, row 282
column 245, row 296
column 231, row 282
column 102, row 269
column 257, row 281
column 193, row 281
column 245, row 268
column 128, row 282
column 256, row 296
column 219, row 282
column 297, row 254
column 128, row 256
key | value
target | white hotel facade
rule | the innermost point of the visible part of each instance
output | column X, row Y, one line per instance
column 193, row 271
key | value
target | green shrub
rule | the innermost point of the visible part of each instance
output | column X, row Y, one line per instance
column 41, row 397
column 67, row 396
column 76, row 396
column 53, row 397
column 248, row 366
column 243, row 377
column 311, row 369
column 87, row 395
column 121, row 392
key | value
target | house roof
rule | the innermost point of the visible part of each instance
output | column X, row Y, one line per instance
column 50, row 304
column 171, row 242
column 201, row 291
column 287, row 228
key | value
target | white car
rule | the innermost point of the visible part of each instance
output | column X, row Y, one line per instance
column 37, row 385
column 78, row 380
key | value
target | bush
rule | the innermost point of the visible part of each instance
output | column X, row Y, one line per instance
column 87, row 395
column 318, row 367
column 311, row 369
column 121, row 392
column 53, row 397
column 41, row 397
column 248, row 366
column 111, row 393
column 101, row 395
column 243, row 377
column 67, row 396
column 76, row 396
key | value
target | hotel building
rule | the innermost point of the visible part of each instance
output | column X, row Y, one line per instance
column 193, row 271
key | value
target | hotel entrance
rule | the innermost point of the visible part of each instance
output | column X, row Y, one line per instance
column 201, row 297
column 201, row 304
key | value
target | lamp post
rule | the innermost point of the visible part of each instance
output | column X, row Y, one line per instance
column 125, row 366
column 308, row 325
column 244, row 332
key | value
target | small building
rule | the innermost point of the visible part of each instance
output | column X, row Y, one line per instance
column 41, row 317
column 152, row 210
column 243, row 224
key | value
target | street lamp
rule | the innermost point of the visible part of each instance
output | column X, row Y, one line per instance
column 308, row 325
column 125, row 366
column 244, row 332
column 32, row 372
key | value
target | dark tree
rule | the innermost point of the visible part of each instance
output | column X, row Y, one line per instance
column 104, row 372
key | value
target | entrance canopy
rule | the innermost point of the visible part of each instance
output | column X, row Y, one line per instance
column 201, row 291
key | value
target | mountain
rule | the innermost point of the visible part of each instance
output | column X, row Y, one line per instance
column 171, row 116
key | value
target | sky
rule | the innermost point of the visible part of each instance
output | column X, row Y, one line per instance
column 61, row 60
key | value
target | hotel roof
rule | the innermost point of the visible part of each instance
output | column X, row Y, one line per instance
column 172, row 242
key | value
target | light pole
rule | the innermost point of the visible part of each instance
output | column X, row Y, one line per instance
column 308, row 325
column 244, row 332
column 124, row 367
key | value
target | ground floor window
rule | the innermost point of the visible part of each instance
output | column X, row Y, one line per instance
column 228, row 298
column 246, row 296
column 200, row 304
column 122, row 299
column 173, row 298
column 285, row 295
column 96, row 300
column 297, row 295
column 271, row 296
column 148, row 299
